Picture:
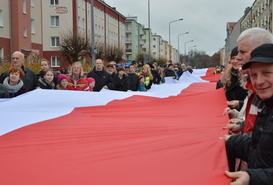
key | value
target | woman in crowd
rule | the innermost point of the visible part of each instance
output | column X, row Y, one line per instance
column 62, row 82
column 47, row 81
column 13, row 82
column 232, row 80
column 122, row 80
column 148, row 77
column 76, row 81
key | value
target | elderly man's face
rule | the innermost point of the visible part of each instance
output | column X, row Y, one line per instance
column 17, row 59
column 244, row 50
column 261, row 76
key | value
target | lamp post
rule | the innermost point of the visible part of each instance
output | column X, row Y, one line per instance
column 186, row 46
column 178, row 39
column 149, row 25
column 93, row 50
column 170, row 33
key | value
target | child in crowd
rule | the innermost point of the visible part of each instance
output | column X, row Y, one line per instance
column 47, row 81
column 91, row 83
column 62, row 82
column 141, row 86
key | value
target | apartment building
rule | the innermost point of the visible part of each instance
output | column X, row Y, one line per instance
column 259, row 15
column 35, row 27
column 134, row 32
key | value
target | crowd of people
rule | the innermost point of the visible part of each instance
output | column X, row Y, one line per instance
column 19, row 79
column 248, row 84
column 247, row 80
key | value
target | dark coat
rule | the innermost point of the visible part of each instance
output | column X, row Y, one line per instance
column 169, row 73
column 102, row 78
column 28, row 79
column 235, row 91
column 256, row 147
column 44, row 85
column 133, row 81
column 3, row 92
column 121, row 84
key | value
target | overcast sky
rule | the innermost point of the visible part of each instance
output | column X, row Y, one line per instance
column 205, row 20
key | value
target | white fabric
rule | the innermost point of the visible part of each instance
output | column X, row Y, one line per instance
column 40, row 104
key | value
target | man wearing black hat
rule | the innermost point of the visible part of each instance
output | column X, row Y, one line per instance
column 256, row 147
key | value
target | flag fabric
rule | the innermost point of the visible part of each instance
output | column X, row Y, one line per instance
column 164, row 137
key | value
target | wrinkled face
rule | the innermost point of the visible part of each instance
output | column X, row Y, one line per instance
column 261, row 76
column 76, row 70
column 244, row 50
column 64, row 83
column 17, row 59
column 14, row 76
column 99, row 64
column 49, row 76
column 44, row 65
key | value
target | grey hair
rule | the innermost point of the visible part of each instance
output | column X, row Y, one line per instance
column 257, row 36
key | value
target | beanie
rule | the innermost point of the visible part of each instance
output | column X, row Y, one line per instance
column 61, row 77
column 234, row 52
column 89, row 80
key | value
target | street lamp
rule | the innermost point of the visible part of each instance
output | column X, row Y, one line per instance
column 170, row 28
column 93, row 47
column 186, row 46
column 170, row 34
column 178, row 39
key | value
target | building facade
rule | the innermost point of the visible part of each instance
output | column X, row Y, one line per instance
column 35, row 27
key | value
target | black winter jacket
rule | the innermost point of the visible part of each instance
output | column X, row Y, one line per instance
column 102, row 78
column 256, row 147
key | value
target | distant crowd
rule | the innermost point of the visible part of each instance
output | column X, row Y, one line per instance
column 19, row 79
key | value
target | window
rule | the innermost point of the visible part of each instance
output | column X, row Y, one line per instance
column 79, row 22
column 25, row 32
column 55, row 41
column 83, row 23
column 32, row 26
column 55, row 61
column 54, row 21
column 1, row 18
column 54, row 2
column 32, row 3
column 24, row 6
column 1, row 54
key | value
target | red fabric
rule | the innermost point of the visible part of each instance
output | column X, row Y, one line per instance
column 137, row 141
column 249, row 118
column 212, row 77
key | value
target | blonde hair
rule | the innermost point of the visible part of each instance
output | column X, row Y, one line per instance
column 148, row 73
column 71, row 68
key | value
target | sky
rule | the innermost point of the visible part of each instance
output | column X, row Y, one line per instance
column 205, row 20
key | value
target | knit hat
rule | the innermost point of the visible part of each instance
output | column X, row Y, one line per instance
column 234, row 52
column 61, row 77
column 90, row 80
column 141, row 76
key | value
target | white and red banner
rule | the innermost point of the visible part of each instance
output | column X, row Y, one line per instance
column 166, row 136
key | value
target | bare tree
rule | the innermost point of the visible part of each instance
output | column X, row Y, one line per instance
column 74, row 47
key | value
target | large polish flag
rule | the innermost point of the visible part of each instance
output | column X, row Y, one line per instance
column 166, row 136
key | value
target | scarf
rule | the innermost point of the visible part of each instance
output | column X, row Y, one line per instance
column 13, row 89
